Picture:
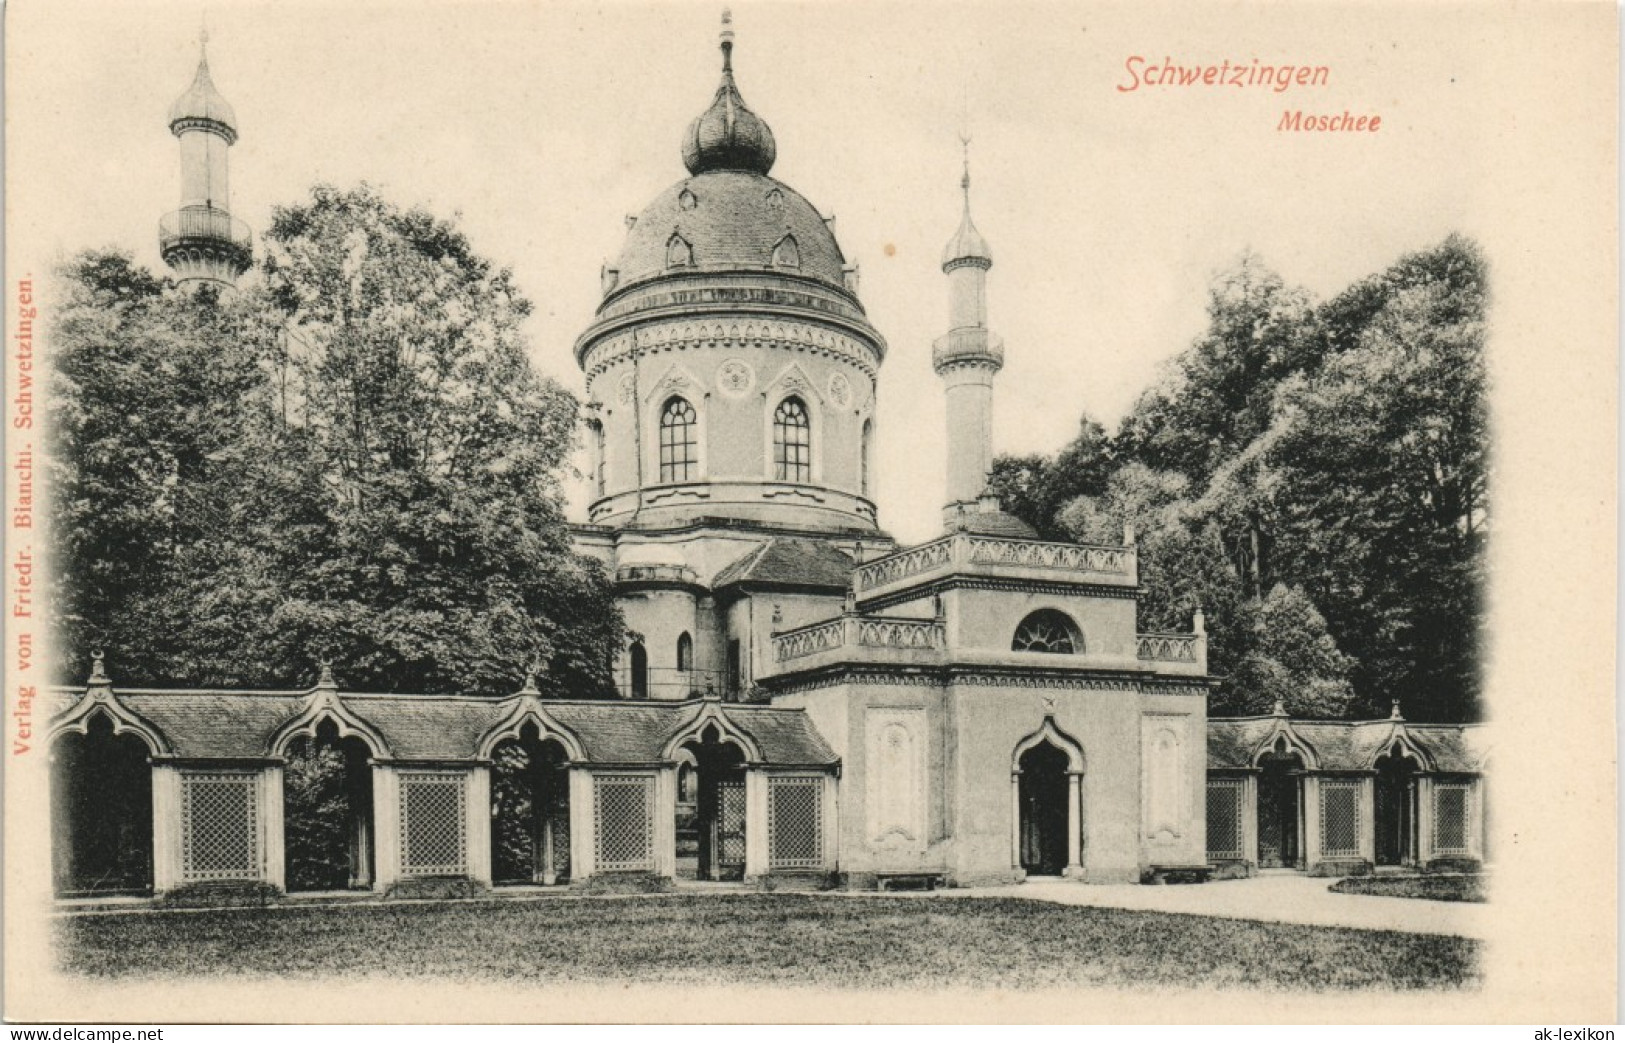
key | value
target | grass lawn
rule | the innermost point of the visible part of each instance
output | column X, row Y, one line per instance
column 849, row 942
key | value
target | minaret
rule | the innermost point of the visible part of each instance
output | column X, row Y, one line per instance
column 966, row 359
column 201, row 241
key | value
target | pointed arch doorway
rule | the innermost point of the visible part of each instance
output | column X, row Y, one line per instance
column 1396, row 804
column 1280, row 808
column 1047, row 804
column 717, row 782
column 101, row 796
column 1043, row 793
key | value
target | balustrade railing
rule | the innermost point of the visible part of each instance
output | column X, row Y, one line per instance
column 203, row 222
column 903, row 564
column 1167, row 648
column 1078, row 557
column 967, row 343
column 804, row 641
column 859, row 631
column 991, row 550
column 655, row 573
column 899, row 633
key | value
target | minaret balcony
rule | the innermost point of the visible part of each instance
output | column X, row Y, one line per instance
column 205, row 226
column 972, row 344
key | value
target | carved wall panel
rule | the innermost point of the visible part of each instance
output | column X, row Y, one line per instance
column 895, row 812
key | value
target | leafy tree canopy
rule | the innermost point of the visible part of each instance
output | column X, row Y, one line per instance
column 351, row 458
column 1314, row 476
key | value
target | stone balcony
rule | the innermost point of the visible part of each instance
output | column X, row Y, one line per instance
column 967, row 554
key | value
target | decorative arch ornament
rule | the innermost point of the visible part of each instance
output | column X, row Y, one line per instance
column 1049, row 732
column 324, row 704
column 526, row 708
column 101, row 699
column 710, row 713
column 1399, row 737
column 1283, row 732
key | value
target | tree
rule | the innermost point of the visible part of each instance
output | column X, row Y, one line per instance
column 1313, row 475
column 1383, row 499
column 1034, row 488
column 382, row 487
column 1216, row 396
column 151, row 393
column 1291, row 660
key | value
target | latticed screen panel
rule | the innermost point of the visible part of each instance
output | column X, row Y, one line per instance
column 220, row 826
column 624, row 822
column 795, row 823
column 1340, row 818
column 434, row 824
column 731, row 824
column 1224, row 800
column 1450, row 804
column 559, row 823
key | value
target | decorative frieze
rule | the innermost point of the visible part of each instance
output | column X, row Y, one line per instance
column 783, row 334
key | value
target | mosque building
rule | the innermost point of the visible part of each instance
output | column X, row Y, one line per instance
column 804, row 702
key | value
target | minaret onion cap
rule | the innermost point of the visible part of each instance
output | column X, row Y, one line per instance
column 202, row 103
column 967, row 246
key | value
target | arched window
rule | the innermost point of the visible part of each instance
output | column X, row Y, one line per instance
column 598, row 463
column 1047, row 631
column 678, row 460
column 863, row 457
column 640, row 671
column 685, row 652
column 792, row 442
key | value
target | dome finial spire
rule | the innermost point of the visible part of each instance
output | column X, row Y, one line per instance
column 964, row 181
column 728, row 136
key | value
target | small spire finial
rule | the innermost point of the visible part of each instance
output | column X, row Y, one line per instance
column 1394, row 714
column 964, row 180
column 1280, row 708
column 326, row 678
column 727, row 40
column 98, row 668
column 531, row 670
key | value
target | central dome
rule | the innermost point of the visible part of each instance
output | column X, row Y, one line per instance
column 731, row 221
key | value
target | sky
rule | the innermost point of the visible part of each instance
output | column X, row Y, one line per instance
column 1108, row 212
